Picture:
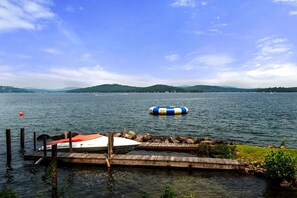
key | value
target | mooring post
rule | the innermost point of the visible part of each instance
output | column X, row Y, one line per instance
column 44, row 147
column 8, row 145
column 22, row 138
column 110, row 145
column 54, row 172
column 70, row 142
column 34, row 140
column 124, row 132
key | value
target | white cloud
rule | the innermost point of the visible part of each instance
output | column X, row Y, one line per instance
column 183, row 3
column 271, row 66
column 172, row 57
column 52, row 51
column 293, row 13
column 66, row 77
column 207, row 61
column 24, row 14
column 292, row 3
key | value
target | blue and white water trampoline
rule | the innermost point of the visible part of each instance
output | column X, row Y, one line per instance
column 171, row 110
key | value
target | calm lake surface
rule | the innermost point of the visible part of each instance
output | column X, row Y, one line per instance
column 253, row 118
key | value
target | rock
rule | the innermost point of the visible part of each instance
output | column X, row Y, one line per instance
column 157, row 140
column 118, row 134
column 190, row 141
column 139, row 138
column 209, row 142
column 173, row 140
column 147, row 137
column 131, row 135
column 282, row 147
column 182, row 139
column 166, row 141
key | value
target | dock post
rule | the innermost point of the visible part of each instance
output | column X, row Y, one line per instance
column 124, row 132
column 44, row 147
column 22, row 138
column 8, row 145
column 54, row 172
column 110, row 145
column 34, row 140
column 70, row 142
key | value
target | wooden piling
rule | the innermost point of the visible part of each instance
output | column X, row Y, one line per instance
column 34, row 140
column 22, row 138
column 124, row 132
column 54, row 172
column 70, row 142
column 8, row 145
column 110, row 145
column 44, row 147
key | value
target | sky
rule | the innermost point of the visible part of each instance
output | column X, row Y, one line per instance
column 80, row 43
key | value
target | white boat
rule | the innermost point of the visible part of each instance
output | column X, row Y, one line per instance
column 91, row 143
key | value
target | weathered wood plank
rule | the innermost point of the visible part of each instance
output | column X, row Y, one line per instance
column 144, row 160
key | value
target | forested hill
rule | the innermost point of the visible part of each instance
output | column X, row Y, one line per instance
column 278, row 89
column 114, row 88
column 8, row 89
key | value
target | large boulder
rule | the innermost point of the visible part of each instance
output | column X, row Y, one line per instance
column 131, row 135
column 139, row 138
column 147, row 137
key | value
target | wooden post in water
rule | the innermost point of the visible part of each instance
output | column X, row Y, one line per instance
column 8, row 145
column 110, row 145
column 22, row 138
column 70, row 142
column 44, row 147
column 54, row 172
column 124, row 132
column 34, row 140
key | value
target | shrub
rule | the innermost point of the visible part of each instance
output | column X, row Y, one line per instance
column 168, row 193
column 223, row 151
column 279, row 166
column 8, row 193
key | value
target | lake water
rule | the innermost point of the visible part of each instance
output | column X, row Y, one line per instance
column 253, row 118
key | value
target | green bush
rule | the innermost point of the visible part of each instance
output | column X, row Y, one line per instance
column 279, row 166
column 223, row 151
column 8, row 193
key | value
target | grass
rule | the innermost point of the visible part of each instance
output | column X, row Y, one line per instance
column 256, row 154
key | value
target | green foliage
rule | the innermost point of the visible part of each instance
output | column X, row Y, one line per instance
column 283, row 143
column 8, row 193
column 279, row 166
column 218, row 151
column 223, row 151
column 168, row 193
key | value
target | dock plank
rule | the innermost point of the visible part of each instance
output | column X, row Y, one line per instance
column 144, row 160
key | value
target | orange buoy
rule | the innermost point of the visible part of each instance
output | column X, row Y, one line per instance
column 21, row 114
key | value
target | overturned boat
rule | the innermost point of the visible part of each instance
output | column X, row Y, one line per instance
column 91, row 143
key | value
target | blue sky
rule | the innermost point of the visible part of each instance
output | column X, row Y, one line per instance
column 80, row 43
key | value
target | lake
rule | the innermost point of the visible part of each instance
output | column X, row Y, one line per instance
column 252, row 118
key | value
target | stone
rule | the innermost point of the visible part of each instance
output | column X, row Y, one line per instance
column 190, row 141
column 118, row 134
column 139, row 138
column 147, row 137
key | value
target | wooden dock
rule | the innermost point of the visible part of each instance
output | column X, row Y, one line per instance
column 144, row 160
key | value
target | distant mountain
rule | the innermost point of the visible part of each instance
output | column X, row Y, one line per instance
column 161, row 88
column 112, row 88
column 35, row 90
column 8, row 89
column 106, row 88
column 278, row 89
column 209, row 88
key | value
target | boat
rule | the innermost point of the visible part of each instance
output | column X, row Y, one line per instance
column 171, row 110
column 91, row 143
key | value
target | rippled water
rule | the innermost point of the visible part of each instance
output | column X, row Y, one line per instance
column 254, row 118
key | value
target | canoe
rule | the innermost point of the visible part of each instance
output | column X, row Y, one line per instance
column 91, row 143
